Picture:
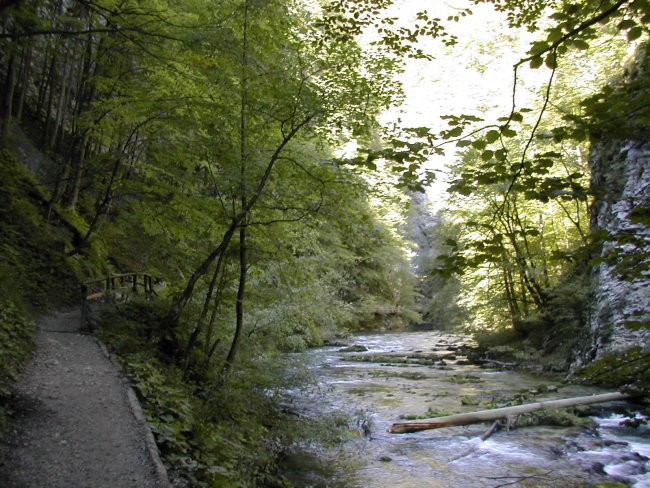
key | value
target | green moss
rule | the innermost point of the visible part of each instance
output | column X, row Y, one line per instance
column 556, row 417
column 468, row 400
column 462, row 379
column 37, row 274
column 429, row 414
column 628, row 369
column 409, row 375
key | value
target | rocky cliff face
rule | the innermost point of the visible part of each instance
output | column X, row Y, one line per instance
column 621, row 283
column 620, row 168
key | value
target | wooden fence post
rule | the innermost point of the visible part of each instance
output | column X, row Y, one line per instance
column 111, row 283
column 84, row 306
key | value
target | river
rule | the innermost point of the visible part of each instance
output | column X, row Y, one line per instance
column 410, row 375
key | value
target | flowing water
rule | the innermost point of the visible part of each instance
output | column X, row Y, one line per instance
column 411, row 375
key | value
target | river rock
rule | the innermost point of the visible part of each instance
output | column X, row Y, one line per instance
column 354, row 348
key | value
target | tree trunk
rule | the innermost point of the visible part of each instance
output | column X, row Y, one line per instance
column 8, row 100
column 239, row 307
column 101, row 207
column 58, row 115
column 78, row 171
column 194, row 336
column 511, row 296
column 174, row 315
column 243, row 161
column 178, row 307
column 24, row 82
column 51, row 84
column 501, row 413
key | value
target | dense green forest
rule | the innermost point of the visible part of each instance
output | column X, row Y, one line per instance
column 201, row 142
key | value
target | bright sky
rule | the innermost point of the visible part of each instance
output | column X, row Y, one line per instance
column 472, row 77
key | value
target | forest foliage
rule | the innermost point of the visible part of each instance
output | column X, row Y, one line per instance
column 519, row 244
column 196, row 141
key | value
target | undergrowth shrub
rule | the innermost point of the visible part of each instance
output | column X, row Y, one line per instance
column 16, row 342
column 547, row 336
column 212, row 431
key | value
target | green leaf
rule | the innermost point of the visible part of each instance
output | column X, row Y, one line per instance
column 551, row 60
column 492, row 136
column 634, row 33
column 479, row 144
column 487, row 155
column 536, row 62
column 554, row 34
column 581, row 44
column 626, row 24
column 538, row 48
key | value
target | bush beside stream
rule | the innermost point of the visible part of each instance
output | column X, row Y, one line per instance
column 212, row 430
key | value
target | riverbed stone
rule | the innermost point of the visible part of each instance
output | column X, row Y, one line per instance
column 354, row 348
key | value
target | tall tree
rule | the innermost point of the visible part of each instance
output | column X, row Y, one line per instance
column 292, row 87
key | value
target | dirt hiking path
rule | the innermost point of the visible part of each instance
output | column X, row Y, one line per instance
column 76, row 425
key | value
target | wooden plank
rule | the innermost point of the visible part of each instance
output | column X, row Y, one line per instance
column 500, row 413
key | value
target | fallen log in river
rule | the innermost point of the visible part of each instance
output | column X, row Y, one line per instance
column 502, row 413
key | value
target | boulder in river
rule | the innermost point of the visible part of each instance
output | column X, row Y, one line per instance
column 354, row 348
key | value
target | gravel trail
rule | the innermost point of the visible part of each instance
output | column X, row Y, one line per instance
column 76, row 425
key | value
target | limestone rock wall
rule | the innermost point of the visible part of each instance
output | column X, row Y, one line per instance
column 621, row 283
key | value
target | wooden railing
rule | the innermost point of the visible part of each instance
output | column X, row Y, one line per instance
column 115, row 286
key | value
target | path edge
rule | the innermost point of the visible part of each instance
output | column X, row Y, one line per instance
column 138, row 414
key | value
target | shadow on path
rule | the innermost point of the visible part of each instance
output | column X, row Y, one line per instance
column 75, row 425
